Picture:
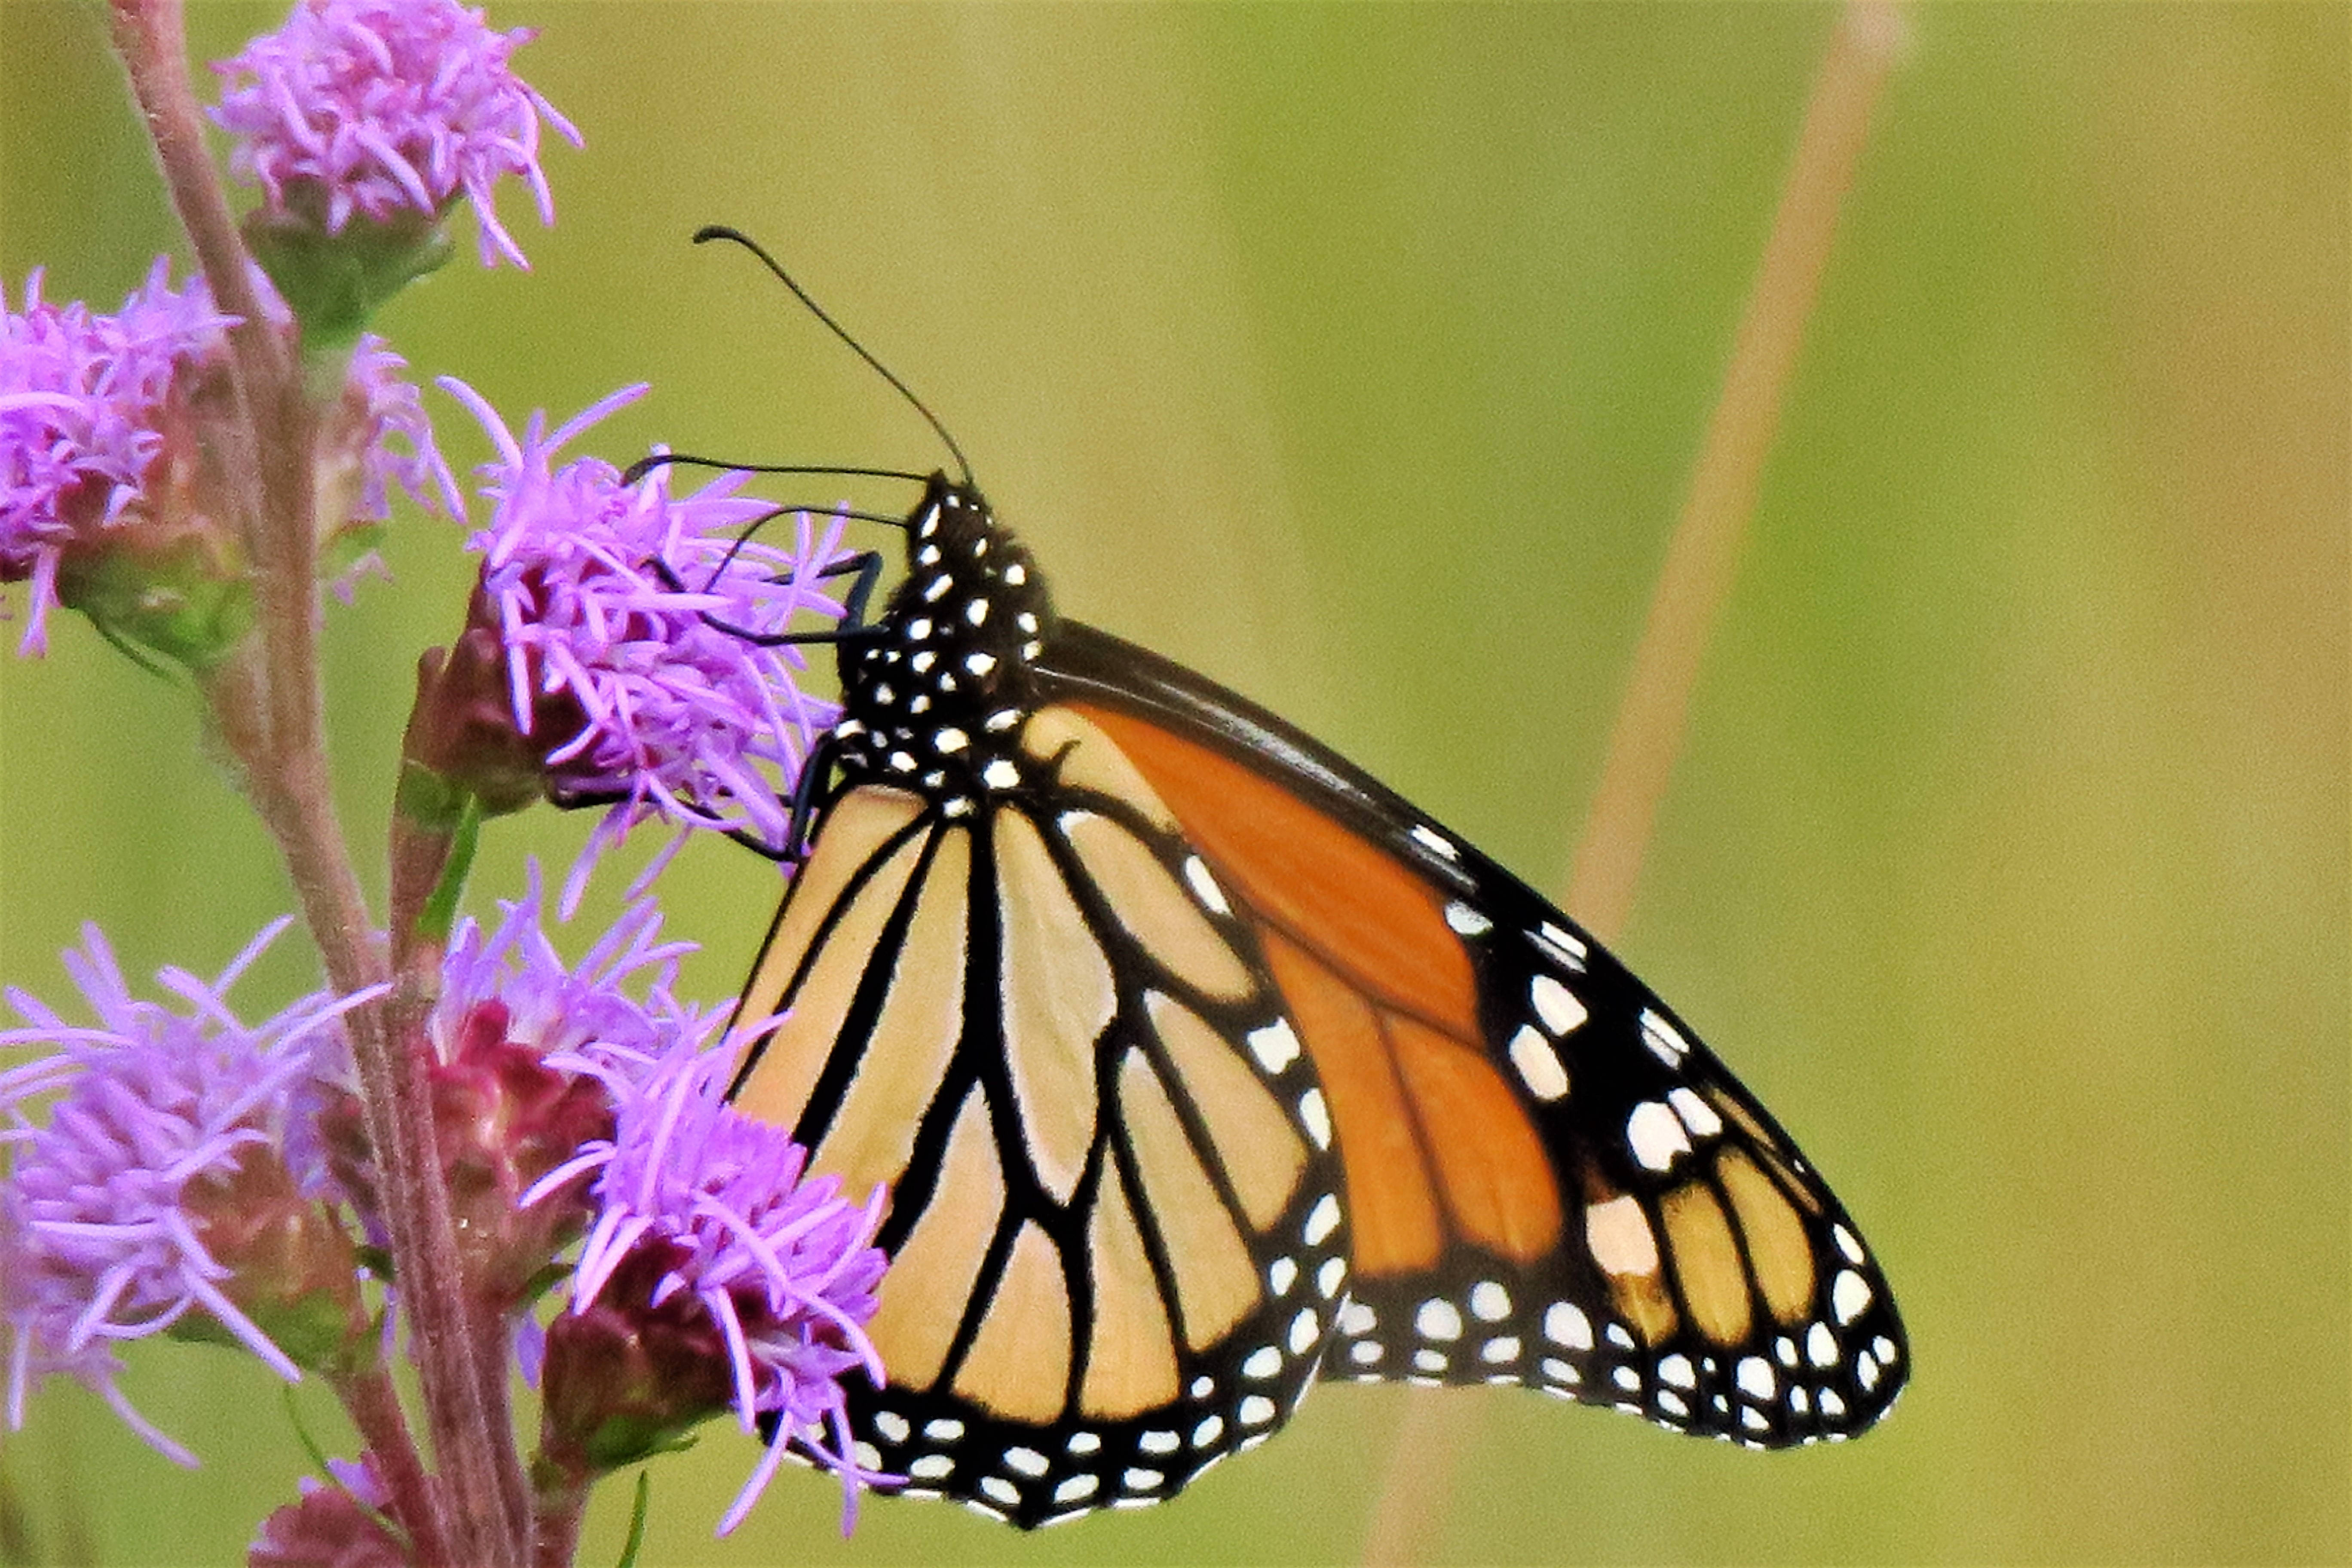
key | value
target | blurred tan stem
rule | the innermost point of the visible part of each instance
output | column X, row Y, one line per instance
column 268, row 703
column 1702, row 559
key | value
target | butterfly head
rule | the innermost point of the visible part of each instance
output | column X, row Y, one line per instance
column 936, row 696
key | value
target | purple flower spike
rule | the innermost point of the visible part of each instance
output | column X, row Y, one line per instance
column 632, row 623
column 783, row 1269
column 98, row 1241
column 384, row 108
column 82, row 399
column 553, row 1007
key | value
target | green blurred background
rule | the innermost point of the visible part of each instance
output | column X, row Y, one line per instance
column 1359, row 356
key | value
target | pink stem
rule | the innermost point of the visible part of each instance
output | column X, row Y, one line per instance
column 269, row 708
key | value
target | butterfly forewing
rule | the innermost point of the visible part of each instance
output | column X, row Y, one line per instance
column 1549, row 1181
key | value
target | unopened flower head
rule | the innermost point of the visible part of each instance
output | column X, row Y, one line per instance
column 84, row 402
column 638, row 632
column 337, row 1524
column 158, row 1121
column 698, row 1202
column 387, row 108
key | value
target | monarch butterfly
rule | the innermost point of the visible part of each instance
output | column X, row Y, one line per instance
column 1200, row 1065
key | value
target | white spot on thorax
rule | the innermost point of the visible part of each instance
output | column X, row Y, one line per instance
column 976, row 612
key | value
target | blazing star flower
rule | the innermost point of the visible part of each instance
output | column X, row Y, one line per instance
column 705, row 1223
column 82, row 414
column 637, row 633
column 115, row 1207
column 339, row 1524
column 510, row 1015
column 387, row 108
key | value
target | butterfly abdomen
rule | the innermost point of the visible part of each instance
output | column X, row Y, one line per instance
column 936, row 699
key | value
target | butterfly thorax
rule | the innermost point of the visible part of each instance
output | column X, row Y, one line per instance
column 936, row 698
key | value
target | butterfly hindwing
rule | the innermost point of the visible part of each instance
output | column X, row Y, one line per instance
column 1118, row 1251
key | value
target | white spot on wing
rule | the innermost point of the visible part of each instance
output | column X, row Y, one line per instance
column 1274, row 1047
column 1204, row 887
column 1489, row 1302
column 1556, row 1004
column 1467, row 921
column 1697, row 1113
column 1619, row 1234
column 1322, row 1219
column 1566, row 1324
column 1317, row 1117
column 1666, row 1042
column 1430, row 838
column 1438, row 1320
column 1655, row 1134
column 1539, row 1065
column 1849, row 1294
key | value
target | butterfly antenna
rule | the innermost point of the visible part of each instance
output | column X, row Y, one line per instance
column 720, row 231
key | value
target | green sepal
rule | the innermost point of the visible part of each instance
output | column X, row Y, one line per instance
column 638, row 1511
column 178, row 604
column 314, row 1329
column 440, row 911
column 335, row 283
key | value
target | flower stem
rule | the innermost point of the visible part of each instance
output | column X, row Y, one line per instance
column 1702, row 558
column 269, row 703
column 373, row 1405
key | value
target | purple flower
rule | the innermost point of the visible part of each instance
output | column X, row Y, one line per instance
column 553, row 1007
column 387, row 107
column 337, row 1524
column 703, row 1208
column 632, row 623
column 82, row 418
column 104, row 1220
